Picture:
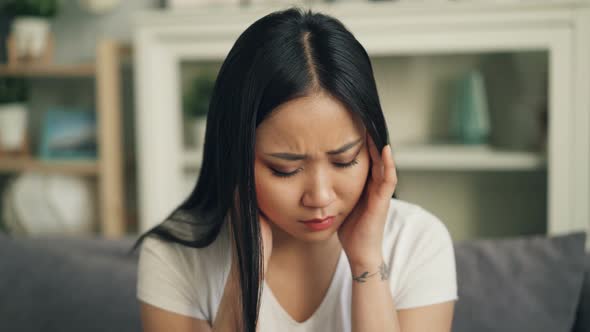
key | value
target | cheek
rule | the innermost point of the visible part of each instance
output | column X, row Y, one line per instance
column 272, row 194
column 277, row 196
column 355, row 180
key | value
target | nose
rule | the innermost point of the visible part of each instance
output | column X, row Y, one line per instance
column 319, row 192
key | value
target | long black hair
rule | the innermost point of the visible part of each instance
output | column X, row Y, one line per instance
column 282, row 56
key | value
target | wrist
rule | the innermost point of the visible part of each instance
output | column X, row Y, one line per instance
column 374, row 269
column 365, row 261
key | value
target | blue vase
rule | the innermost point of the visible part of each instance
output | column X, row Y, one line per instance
column 470, row 123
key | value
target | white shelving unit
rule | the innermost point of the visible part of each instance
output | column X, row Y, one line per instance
column 108, row 167
column 439, row 157
column 163, row 40
column 458, row 158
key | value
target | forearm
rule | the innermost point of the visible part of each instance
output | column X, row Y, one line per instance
column 373, row 309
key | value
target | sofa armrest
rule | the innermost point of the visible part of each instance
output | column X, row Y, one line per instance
column 67, row 285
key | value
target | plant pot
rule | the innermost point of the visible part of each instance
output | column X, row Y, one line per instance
column 13, row 126
column 30, row 36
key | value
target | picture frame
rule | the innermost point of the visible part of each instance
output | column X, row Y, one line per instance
column 69, row 134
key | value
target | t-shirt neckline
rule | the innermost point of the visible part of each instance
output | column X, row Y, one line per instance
column 337, row 277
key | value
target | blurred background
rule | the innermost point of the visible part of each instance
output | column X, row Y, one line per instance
column 67, row 126
column 469, row 123
column 103, row 107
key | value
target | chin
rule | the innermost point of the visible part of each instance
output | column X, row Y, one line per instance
column 318, row 236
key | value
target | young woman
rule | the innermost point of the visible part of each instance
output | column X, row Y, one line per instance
column 292, row 225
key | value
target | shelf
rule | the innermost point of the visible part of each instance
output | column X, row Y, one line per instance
column 78, row 167
column 107, row 170
column 464, row 157
column 448, row 157
column 77, row 70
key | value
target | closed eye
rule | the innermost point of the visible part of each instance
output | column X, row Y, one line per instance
column 349, row 164
column 289, row 174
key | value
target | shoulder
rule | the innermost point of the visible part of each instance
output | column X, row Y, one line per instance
column 157, row 253
column 167, row 260
column 420, row 254
column 415, row 237
column 185, row 258
column 182, row 279
column 410, row 222
column 168, row 249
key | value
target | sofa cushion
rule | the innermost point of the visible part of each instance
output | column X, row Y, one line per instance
column 67, row 284
column 519, row 284
column 73, row 284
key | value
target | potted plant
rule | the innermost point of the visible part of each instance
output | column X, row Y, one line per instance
column 31, row 24
column 13, row 113
column 195, row 107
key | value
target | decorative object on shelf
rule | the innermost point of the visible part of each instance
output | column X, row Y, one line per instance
column 63, row 204
column 13, row 115
column 469, row 115
column 30, row 40
column 69, row 134
column 99, row 7
column 195, row 106
column 517, row 89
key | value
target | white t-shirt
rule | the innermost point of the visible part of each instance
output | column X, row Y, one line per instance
column 417, row 249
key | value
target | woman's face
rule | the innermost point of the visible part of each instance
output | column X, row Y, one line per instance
column 311, row 162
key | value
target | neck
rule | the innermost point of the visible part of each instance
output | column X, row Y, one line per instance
column 289, row 253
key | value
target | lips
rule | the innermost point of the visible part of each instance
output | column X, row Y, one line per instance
column 316, row 221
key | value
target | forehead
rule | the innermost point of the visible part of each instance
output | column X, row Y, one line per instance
column 316, row 121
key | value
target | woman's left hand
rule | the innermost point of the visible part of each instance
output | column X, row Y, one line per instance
column 361, row 234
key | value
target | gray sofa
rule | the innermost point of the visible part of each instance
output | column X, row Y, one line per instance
column 72, row 284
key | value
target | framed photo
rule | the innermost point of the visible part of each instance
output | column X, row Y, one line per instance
column 69, row 134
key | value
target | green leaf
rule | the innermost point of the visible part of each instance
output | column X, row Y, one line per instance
column 38, row 8
column 197, row 99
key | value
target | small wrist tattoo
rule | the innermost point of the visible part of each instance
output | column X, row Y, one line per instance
column 383, row 271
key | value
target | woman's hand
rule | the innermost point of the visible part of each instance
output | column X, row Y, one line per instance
column 361, row 234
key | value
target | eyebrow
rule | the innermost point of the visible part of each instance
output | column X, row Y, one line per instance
column 293, row 156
